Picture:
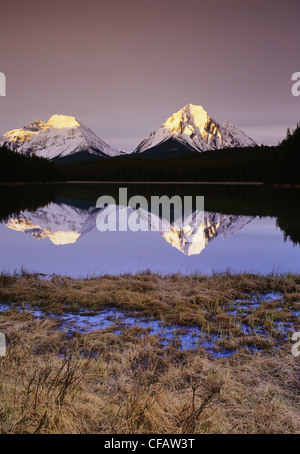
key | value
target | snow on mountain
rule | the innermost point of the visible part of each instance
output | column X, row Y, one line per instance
column 194, row 128
column 60, row 137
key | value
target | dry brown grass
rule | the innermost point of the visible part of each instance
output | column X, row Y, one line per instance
column 103, row 383
column 176, row 298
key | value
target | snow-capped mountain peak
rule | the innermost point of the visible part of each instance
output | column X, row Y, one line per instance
column 187, row 120
column 62, row 136
column 63, row 121
column 197, row 130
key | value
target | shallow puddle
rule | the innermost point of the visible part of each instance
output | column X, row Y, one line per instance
column 253, row 301
column 187, row 338
column 246, row 306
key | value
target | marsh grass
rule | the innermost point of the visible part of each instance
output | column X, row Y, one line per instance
column 101, row 382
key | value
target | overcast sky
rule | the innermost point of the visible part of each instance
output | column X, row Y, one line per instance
column 122, row 67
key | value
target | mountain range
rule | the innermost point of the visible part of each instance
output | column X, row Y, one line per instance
column 64, row 139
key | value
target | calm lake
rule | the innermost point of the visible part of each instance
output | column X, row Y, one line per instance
column 52, row 229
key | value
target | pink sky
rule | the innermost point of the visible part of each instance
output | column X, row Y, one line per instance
column 123, row 67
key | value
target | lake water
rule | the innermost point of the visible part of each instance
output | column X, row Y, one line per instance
column 52, row 229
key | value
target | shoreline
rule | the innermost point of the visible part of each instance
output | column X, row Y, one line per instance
column 151, row 293
column 200, row 183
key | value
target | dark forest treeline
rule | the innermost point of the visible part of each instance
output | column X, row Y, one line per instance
column 278, row 164
column 270, row 165
column 17, row 167
column 259, row 164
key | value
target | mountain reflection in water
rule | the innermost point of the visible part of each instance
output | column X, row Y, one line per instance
column 64, row 224
column 52, row 229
